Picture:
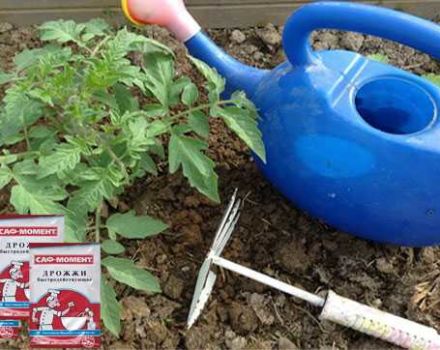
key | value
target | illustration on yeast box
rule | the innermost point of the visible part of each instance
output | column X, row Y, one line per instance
column 65, row 295
column 16, row 233
column 10, row 329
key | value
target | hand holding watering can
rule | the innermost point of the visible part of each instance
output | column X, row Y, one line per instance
column 351, row 141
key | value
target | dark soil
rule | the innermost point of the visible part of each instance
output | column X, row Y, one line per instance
column 272, row 236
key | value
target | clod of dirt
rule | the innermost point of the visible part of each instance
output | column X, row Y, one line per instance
column 157, row 332
column 270, row 35
column 162, row 308
column 234, row 342
column 429, row 255
column 261, row 344
column 286, row 344
column 292, row 257
column 5, row 27
column 134, row 306
column 260, row 305
column 237, row 36
column 192, row 235
column 325, row 40
column 174, row 287
column 352, row 41
column 120, row 345
column 243, row 318
column 197, row 338
column 384, row 266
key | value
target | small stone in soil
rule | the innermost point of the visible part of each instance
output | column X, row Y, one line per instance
column 136, row 306
column 384, row 266
column 5, row 27
column 286, row 344
column 250, row 49
column 237, row 36
column 270, row 35
column 259, row 303
column 352, row 41
column 326, row 41
column 192, row 235
column 292, row 257
column 243, row 319
column 157, row 332
column 196, row 339
column 174, row 287
column 234, row 342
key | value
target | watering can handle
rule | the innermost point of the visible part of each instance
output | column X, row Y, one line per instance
column 397, row 26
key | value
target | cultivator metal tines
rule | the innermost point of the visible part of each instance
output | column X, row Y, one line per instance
column 346, row 312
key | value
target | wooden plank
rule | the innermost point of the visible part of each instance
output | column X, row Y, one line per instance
column 84, row 4
column 237, row 15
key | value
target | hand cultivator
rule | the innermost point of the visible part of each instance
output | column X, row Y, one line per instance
column 346, row 312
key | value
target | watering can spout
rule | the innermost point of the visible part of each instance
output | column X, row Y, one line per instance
column 173, row 15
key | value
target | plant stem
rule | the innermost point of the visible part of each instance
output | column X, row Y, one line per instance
column 26, row 134
column 19, row 155
column 98, row 223
column 201, row 107
column 100, row 44
column 119, row 162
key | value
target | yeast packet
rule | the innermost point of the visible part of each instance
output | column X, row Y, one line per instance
column 65, row 295
column 16, row 233
column 10, row 329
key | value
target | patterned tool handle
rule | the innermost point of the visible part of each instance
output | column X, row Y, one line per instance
column 379, row 324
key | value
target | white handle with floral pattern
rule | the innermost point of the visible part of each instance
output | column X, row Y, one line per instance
column 379, row 324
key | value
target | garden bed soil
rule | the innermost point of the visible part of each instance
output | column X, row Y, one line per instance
column 272, row 236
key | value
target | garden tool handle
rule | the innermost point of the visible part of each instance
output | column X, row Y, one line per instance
column 379, row 324
column 397, row 26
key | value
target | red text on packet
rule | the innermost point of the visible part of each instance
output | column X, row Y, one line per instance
column 34, row 231
column 64, row 259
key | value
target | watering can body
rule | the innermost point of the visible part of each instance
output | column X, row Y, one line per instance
column 351, row 141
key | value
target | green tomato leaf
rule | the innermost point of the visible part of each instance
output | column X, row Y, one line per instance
column 379, row 58
column 197, row 167
column 76, row 220
column 125, row 100
column 125, row 42
column 139, row 140
column 145, row 165
column 62, row 31
column 111, row 310
column 95, row 28
column 159, row 75
column 216, row 84
column 65, row 157
column 126, row 272
column 198, row 121
column 36, row 197
column 20, row 110
column 190, row 94
column 246, row 127
column 112, row 247
column 5, row 177
column 130, row 226
column 154, row 110
column 97, row 184
column 6, row 77
column 157, row 128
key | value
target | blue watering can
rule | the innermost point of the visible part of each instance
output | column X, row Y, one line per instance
column 351, row 141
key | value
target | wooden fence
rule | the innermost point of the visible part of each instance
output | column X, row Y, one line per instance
column 211, row 13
